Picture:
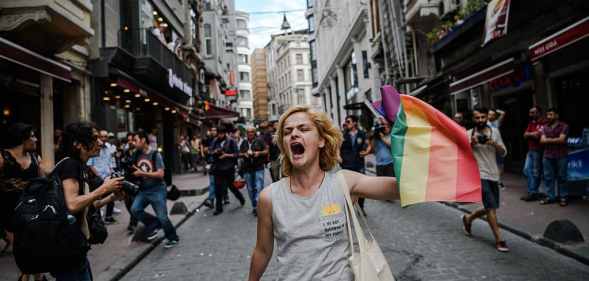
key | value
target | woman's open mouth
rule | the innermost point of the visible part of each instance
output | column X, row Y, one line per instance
column 297, row 149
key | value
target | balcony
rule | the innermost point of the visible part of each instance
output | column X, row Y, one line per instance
column 46, row 26
column 156, row 62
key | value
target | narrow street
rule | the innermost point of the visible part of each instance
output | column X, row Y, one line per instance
column 423, row 242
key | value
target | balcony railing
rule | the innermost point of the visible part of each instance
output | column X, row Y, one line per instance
column 143, row 43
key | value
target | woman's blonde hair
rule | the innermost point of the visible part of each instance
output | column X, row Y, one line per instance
column 328, row 154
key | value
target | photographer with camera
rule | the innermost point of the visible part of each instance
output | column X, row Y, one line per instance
column 486, row 143
column 381, row 147
column 149, row 168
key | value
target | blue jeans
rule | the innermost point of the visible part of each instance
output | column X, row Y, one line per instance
column 211, row 187
column 533, row 170
column 83, row 274
column 555, row 169
column 155, row 197
column 255, row 184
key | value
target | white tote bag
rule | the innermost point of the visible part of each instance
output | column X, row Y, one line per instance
column 367, row 260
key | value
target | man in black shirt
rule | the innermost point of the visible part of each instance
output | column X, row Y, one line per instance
column 253, row 151
column 80, row 142
column 225, row 153
column 353, row 149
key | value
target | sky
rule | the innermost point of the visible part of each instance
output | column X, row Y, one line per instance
column 262, row 26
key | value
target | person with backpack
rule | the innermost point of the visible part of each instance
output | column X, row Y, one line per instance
column 225, row 153
column 149, row 168
column 18, row 165
column 80, row 143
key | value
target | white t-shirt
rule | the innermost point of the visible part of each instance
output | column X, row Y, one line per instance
column 486, row 155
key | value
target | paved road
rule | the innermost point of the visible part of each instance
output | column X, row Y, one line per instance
column 423, row 242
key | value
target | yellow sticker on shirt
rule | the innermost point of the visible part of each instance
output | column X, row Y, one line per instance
column 331, row 209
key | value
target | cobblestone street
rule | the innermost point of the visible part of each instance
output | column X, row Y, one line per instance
column 423, row 242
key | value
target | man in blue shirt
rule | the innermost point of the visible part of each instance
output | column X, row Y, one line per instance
column 103, row 166
column 381, row 146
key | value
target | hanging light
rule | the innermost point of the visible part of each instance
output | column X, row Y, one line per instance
column 146, row 99
column 155, row 13
column 113, row 84
column 137, row 95
column 160, row 19
column 128, row 101
column 117, row 97
column 106, row 98
column 167, row 108
column 173, row 111
column 126, row 90
column 155, row 103
column 127, row 106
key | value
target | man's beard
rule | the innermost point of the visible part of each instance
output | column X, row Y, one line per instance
column 480, row 126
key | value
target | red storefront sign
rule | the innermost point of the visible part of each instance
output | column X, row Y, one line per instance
column 559, row 40
column 231, row 92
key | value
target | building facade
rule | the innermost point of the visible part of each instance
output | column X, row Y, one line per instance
column 44, row 65
column 244, row 71
column 146, row 70
column 289, row 73
column 340, row 46
column 259, row 85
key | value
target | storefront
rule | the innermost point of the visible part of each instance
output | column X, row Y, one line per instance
column 32, row 87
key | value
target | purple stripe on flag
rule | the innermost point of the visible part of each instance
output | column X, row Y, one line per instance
column 378, row 107
column 391, row 100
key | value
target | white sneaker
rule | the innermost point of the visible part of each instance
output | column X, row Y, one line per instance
column 116, row 210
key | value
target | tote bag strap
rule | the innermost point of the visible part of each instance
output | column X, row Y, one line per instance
column 352, row 213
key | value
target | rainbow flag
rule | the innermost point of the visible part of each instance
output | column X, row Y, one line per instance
column 433, row 157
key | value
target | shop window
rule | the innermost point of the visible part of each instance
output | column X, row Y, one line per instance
column 243, row 59
column 245, row 94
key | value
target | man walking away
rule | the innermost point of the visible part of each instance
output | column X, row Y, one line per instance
column 486, row 143
column 103, row 167
column 207, row 150
column 253, row 151
column 533, row 164
column 353, row 149
column 224, row 152
column 149, row 166
column 554, row 162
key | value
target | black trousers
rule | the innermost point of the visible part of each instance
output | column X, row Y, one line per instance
column 109, row 209
column 222, row 183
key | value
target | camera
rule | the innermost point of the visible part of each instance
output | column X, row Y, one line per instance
column 127, row 186
column 378, row 128
column 482, row 138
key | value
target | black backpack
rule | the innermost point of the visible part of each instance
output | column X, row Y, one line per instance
column 47, row 238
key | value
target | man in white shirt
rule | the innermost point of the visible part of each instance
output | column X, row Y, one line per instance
column 486, row 143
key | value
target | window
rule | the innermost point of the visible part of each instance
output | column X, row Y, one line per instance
column 208, row 41
column 243, row 59
column 313, row 50
column 300, row 75
column 248, row 114
column 309, row 4
column 365, row 65
column 311, row 21
column 245, row 94
column 300, row 96
column 244, row 76
column 241, row 24
column 299, row 58
column 242, row 41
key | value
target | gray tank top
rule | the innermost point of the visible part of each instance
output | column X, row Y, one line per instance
column 311, row 232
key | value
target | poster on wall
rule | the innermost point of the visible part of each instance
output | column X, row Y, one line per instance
column 578, row 165
column 496, row 20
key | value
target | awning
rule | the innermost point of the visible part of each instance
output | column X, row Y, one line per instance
column 215, row 112
column 560, row 39
column 362, row 106
column 31, row 60
column 490, row 73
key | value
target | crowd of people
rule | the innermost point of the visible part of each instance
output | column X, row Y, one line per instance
column 93, row 172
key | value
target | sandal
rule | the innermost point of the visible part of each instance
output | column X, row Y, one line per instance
column 563, row 202
column 547, row 201
column 501, row 246
column 466, row 226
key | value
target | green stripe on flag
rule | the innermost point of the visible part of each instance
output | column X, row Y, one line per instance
column 398, row 141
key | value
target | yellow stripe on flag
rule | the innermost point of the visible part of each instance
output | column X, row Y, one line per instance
column 415, row 168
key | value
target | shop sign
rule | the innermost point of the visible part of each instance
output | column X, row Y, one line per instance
column 496, row 20
column 176, row 82
column 578, row 165
column 231, row 92
column 514, row 79
column 561, row 39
